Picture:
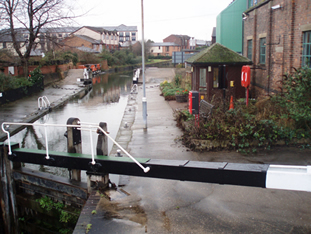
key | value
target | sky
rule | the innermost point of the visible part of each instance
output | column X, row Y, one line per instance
column 195, row 18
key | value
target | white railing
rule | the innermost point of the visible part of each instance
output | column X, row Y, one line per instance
column 91, row 127
column 134, row 89
column 43, row 102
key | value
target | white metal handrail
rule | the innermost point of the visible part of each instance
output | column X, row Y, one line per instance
column 43, row 101
column 82, row 126
column 134, row 88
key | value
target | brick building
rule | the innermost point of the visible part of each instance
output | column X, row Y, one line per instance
column 277, row 38
column 163, row 48
column 78, row 41
column 181, row 40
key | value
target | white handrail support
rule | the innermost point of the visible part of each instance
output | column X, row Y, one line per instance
column 46, row 142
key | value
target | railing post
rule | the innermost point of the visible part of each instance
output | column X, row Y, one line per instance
column 99, row 179
column 102, row 141
column 74, row 144
column 7, row 193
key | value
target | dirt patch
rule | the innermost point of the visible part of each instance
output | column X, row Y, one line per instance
column 124, row 209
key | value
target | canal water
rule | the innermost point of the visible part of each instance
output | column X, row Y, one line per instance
column 106, row 102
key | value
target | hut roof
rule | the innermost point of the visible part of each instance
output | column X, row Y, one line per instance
column 218, row 54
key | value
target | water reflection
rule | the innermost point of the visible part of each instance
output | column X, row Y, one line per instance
column 104, row 103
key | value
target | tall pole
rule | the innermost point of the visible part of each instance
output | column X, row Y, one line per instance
column 144, row 99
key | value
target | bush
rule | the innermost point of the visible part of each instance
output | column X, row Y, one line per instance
column 285, row 116
column 35, row 76
column 11, row 82
column 296, row 97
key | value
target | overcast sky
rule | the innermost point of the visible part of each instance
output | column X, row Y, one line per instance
column 195, row 18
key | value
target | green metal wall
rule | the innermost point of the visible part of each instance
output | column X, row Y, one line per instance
column 229, row 26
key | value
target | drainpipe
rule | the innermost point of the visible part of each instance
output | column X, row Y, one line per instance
column 292, row 35
column 269, row 45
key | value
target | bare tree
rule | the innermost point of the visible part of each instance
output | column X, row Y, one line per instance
column 21, row 17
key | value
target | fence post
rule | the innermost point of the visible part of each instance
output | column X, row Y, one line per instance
column 7, row 193
column 74, row 144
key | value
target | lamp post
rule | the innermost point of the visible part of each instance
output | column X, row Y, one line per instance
column 144, row 99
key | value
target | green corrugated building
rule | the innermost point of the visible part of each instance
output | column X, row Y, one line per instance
column 229, row 26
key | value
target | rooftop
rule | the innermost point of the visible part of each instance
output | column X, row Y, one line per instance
column 218, row 54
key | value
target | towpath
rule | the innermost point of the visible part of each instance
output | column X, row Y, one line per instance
column 145, row 205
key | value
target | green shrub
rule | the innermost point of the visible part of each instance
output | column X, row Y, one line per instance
column 35, row 75
column 12, row 82
column 296, row 97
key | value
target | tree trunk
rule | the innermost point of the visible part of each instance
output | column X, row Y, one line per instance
column 25, row 64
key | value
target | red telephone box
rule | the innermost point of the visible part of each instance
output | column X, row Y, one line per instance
column 246, row 76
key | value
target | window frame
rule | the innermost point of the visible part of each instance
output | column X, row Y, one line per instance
column 262, row 50
column 306, row 49
column 250, row 49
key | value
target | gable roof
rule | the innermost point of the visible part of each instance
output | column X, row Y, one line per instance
column 121, row 28
column 218, row 54
column 86, row 38
column 163, row 44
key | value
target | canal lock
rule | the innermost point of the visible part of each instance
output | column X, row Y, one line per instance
column 48, row 203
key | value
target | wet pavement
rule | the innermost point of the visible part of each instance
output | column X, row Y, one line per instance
column 145, row 205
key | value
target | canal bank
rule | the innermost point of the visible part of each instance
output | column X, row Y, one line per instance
column 26, row 110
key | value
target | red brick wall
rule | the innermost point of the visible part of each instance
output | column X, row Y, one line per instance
column 284, row 29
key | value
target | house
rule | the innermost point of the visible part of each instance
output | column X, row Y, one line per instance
column 110, row 39
column 6, row 42
column 83, row 43
column 229, row 25
column 216, row 73
column 277, row 38
column 181, row 40
column 126, row 33
column 195, row 43
column 163, row 48
column 49, row 38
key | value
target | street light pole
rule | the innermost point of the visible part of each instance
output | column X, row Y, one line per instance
column 144, row 99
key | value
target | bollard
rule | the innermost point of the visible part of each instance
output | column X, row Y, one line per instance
column 99, row 180
column 74, row 145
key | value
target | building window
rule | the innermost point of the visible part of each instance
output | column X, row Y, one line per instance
column 249, row 49
column 203, row 78
column 306, row 49
column 133, row 34
column 215, row 77
column 133, row 38
column 167, row 48
column 250, row 3
column 127, row 34
column 4, row 45
column 262, row 50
